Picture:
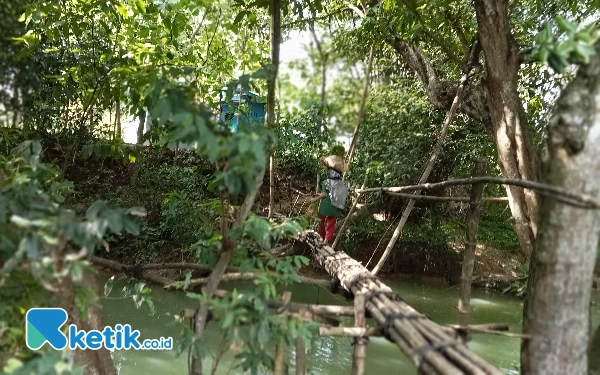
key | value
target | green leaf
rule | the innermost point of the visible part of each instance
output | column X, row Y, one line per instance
column 565, row 25
column 247, row 265
column 150, row 305
column 228, row 320
column 122, row 9
column 115, row 221
column 545, row 36
column 240, row 16
column 585, row 52
column 565, row 47
column 195, row 296
column 93, row 211
column 110, row 283
column 556, row 62
column 141, row 5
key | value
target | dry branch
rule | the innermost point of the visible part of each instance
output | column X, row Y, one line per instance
column 249, row 276
column 119, row 267
column 138, row 272
column 427, row 345
column 162, row 266
column 558, row 193
column 445, row 199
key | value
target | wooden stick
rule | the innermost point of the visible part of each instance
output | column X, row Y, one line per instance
column 346, row 221
column 360, row 342
column 464, row 300
column 280, row 348
column 350, row 331
column 447, row 199
column 481, row 327
column 316, row 309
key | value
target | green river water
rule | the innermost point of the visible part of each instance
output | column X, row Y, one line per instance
column 326, row 355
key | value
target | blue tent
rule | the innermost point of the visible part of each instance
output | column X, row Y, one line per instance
column 230, row 113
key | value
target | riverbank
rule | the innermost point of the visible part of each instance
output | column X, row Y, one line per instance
column 174, row 189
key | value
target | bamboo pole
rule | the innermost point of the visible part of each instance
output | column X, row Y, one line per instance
column 437, row 149
column 350, row 331
column 338, row 237
column 361, row 108
column 360, row 342
column 464, row 300
column 493, row 328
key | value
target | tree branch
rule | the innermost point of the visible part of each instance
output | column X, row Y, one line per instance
column 440, row 92
column 445, row 199
column 558, row 193
column 313, row 19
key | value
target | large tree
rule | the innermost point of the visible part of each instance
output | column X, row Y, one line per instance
column 556, row 314
column 433, row 43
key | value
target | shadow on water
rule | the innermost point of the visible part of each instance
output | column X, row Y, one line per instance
column 326, row 355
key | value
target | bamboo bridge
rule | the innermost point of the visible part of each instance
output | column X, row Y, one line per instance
column 434, row 349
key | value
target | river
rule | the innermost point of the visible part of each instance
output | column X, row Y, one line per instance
column 325, row 355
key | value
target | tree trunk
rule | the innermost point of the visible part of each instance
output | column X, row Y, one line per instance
column 118, row 119
column 556, row 312
column 141, row 127
column 501, row 107
column 594, row 353
column 16, row 104
column 275, row 8
column 323, row 57
column 517, row 157
column 464, row 300
column 96, row 362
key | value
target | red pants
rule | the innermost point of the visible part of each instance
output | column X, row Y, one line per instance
column 327, row 227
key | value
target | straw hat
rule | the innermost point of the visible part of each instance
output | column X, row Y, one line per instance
column 335, row 162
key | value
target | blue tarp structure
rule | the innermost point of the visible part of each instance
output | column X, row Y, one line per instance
column 230, row 114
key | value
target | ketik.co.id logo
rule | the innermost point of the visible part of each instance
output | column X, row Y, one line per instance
column 43, row 325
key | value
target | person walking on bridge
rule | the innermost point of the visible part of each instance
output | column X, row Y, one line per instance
column 333, row 194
